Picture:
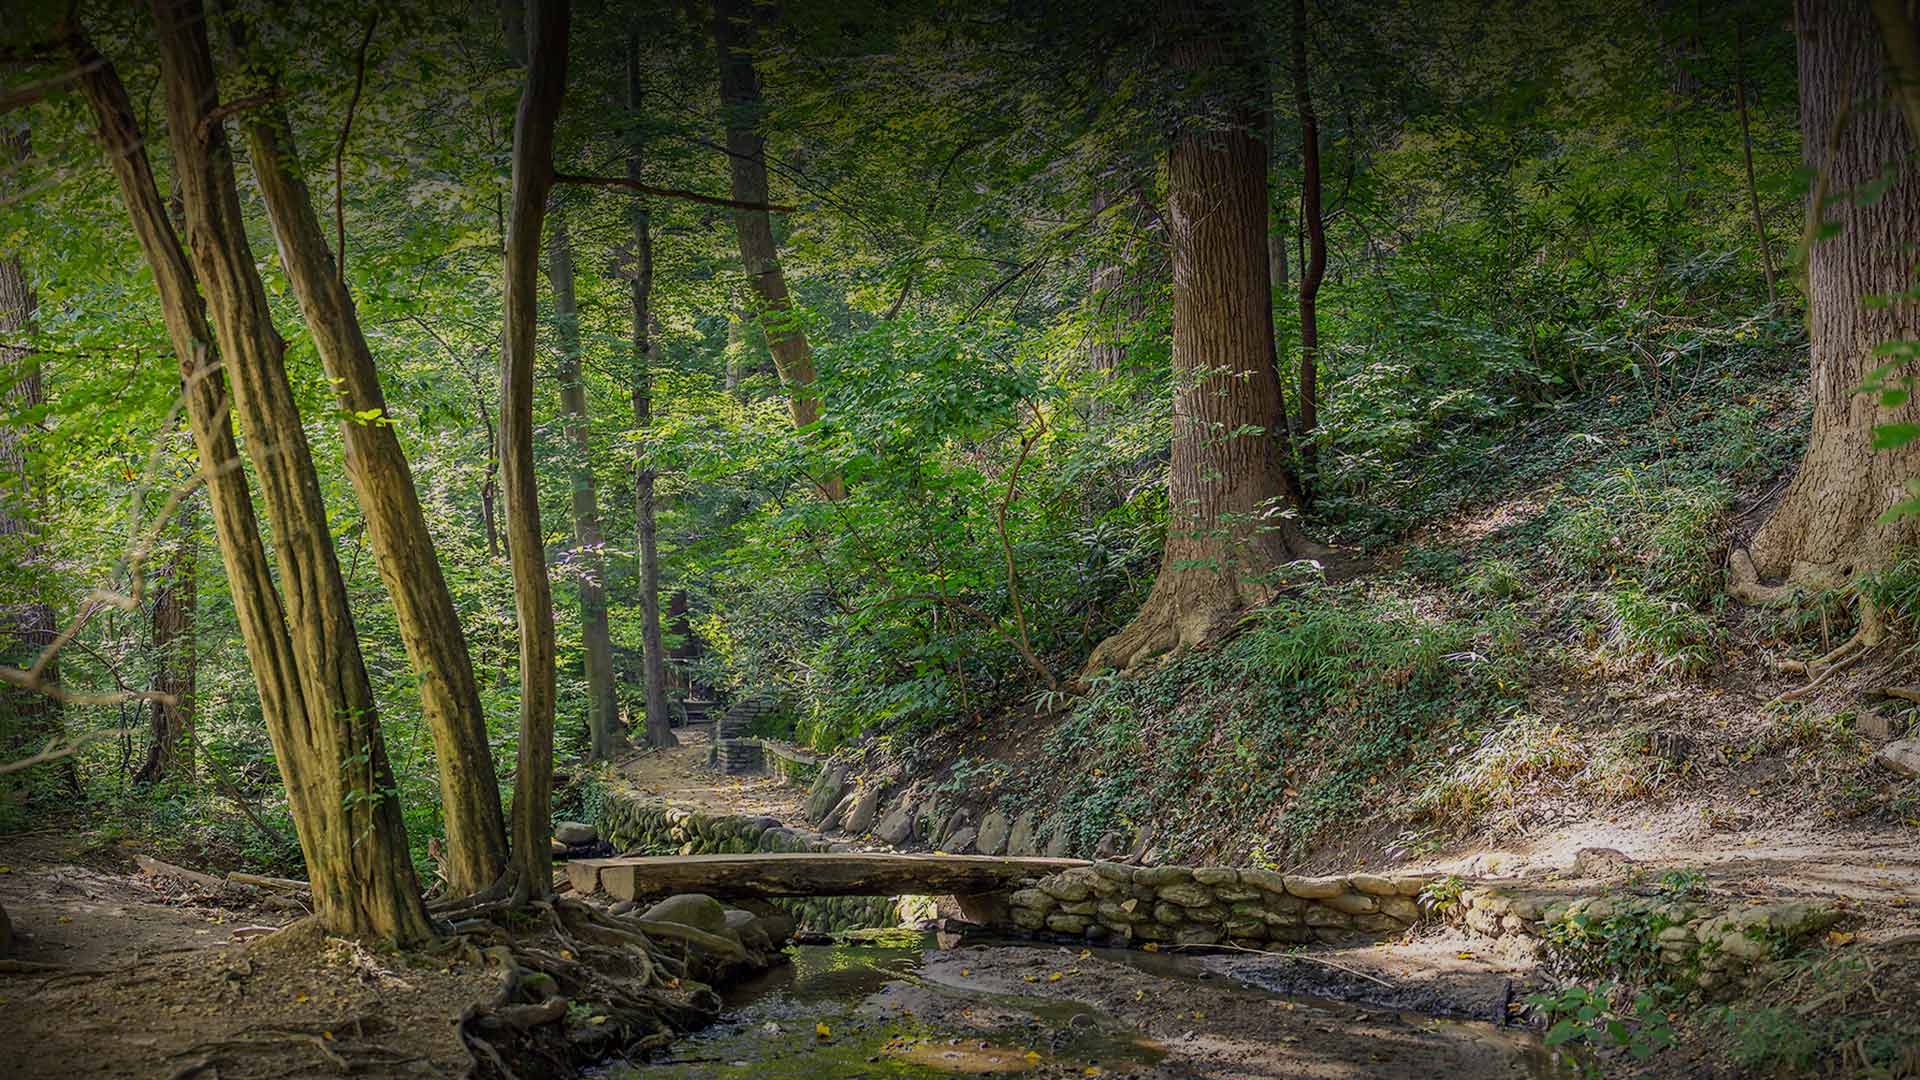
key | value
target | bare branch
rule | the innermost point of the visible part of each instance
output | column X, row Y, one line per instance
column 55, row 750
column 669, row 193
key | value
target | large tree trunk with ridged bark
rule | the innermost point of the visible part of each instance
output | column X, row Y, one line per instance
column 604, row 737
column 547, row 25
column 733, row 37
column 1229, row 530
column 659, row 716
column 382, row 481
column 1827, row 527
column 358, row 860
column 326, row 744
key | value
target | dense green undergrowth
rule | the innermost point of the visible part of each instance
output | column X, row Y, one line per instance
column 1447, row 685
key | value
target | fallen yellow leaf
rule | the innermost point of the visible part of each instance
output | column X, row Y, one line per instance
column 1055, row 977
column 823, row 1031
column 1033, row 1057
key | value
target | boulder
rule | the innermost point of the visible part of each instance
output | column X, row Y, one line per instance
column 1020, row 838
column 1312, row 888
column 746, row 929
column 961, row 842
column 1058, row 843
column 1353, row 903
column 826, row 792
column 1600, row 862
column 993, row 834
column 1216, row 875
column 1186, row 894
column 897, row 827
column 1902, row 756
column 865, row 808
column 1156, row 876
column 698, row 910
column 1373, row 884
column 1071, row 886
column 574, row 833
column 1068, row 924
column 839, row 812
column 1265, row 880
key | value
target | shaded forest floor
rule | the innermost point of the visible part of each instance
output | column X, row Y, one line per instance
column 147, row 976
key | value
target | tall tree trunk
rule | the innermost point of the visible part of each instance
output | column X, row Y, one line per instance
column 1826, row 529
column 733, row 35
column 1315, row 269
column 28, row 718
column 365, row 863
column 547, row 25
column 603, row 706
column 176, row 657
column 429, row 626
column 1746, row 151
column 659, row 718
column 1229, row 531
column 326, row 742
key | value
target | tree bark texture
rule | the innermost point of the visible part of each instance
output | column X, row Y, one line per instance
column 28, row 719
column 733, row 35
column 1229, row 531
column 1826, row 528
column 311, row 780
column 360, row 865
column 547, row 26
column 659, row 715
column 1315, row 270
column 176, row 657
column 382, row 481
column 605, row 739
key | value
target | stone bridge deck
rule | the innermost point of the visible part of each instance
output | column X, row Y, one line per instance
column 778, row 874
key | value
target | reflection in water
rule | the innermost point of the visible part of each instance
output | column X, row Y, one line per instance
column 881, row 1019
column 868, row 1009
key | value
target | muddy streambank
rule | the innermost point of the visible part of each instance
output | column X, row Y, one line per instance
column 899, row 1005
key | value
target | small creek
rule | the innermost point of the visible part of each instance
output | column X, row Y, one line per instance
column 892, row 1004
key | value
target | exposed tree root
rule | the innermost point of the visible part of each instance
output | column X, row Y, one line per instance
column 577, row 983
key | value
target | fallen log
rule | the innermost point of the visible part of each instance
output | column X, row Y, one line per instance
column 275, row 884
column 155, row 868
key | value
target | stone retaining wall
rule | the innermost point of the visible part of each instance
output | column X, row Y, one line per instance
column 1180, row 905
column 1716, row 945
column 648, row 826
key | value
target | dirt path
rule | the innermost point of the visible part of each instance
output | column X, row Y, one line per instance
column 679, row 774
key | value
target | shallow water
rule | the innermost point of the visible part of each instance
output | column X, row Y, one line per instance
column 874, row 1009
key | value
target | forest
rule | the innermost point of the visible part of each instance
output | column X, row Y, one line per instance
column 735, row 538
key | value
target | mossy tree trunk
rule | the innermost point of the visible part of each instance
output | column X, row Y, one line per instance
column 1230, row 529
column 361, row 863
column 383, row 484
column 1827, row 528
column 547, row 25
column 659, row 716
column 605, row 739
column 305, row 657
column 740, row 101
column 172, row 627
